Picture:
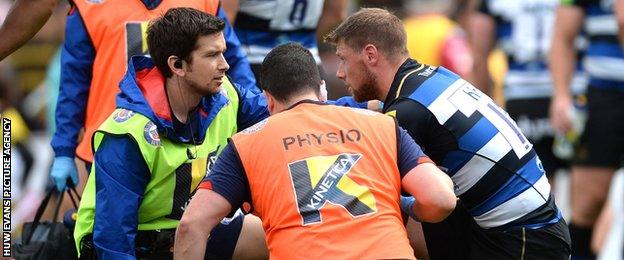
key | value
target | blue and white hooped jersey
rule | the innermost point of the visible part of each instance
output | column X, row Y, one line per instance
column 524, row 33
column 497, row 174
column 262, row 25
column 604, row 58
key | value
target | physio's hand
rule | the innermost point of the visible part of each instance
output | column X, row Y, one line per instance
column 63, row 168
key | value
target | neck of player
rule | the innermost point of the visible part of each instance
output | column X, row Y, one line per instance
column 386, row 75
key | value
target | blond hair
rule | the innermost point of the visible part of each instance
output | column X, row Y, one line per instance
column 372, row 26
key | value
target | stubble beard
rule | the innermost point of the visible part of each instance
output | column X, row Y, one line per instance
column 206, row 90
column 367, row 91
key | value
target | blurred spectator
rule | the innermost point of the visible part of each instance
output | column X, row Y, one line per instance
column 263, row 25
column 21, row 73
column 21, row 158
column 394, row 6
column 17, row 29
column 609, row 228
column 435, row 39
column 600, row 150
column 522, row 29
column 31, row 60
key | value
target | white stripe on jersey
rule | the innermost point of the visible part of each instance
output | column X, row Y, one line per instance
column 456, row 98
column 478, row 166
column 524, row 203
column 471, row 173
column 280, row 12
column 527, row 85
column 521, row 77
column 496, row 148
column 601, row 24
column 602, row 67
column 440, row 107
column 255, row 54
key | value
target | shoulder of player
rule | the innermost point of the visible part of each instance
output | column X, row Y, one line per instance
column 410, row 80
column 404, row 106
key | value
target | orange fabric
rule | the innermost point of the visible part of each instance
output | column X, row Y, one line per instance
column 107, row 22
column 152, row 82
column 205, row 185
column 315, row 145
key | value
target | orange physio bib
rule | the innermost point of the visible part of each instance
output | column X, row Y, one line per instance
column 324, row 180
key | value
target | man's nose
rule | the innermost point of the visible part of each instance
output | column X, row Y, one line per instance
column 340, row 73
column 223, row 65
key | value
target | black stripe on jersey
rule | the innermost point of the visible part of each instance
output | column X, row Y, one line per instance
column 541, row 215
column 459, row 124
column 604, row 38
column 414, row 80
column 512, row 163
column 405, row 86
column 246, row 21
column 486, row 186
column 495, row 178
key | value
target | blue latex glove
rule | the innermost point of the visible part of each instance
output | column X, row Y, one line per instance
column 407, row 206
column 64, row 168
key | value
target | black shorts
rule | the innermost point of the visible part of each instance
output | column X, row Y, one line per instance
column 531, row 115
column 550, row 242
column 459, row 237
column 602, row 142
column 223, row 238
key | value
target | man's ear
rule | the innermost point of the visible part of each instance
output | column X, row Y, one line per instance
column 176, row 65
column 270, row 102
column 371, row 54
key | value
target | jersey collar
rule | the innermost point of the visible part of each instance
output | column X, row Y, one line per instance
column 396, row 89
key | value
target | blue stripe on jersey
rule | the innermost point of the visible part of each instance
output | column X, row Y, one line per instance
column 605, row 83
column 479, row 135
column 543, row 224
column 270, row 39
column 525, row 178
column 503, row 30
column 495, row 178
column 455, row 160
column 530, row 66
column 605, row 49
column 596, row 9
column 431, row 89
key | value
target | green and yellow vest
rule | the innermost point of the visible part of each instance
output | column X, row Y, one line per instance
column 168, row 191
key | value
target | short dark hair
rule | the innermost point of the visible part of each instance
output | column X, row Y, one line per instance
column 288, row 70
column 176, row 33
column 372, row 26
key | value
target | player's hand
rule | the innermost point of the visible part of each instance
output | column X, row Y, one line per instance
column 375, row 105
column 63, row 169
column 323, row 92
column 560, row 113
column 407, row 206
